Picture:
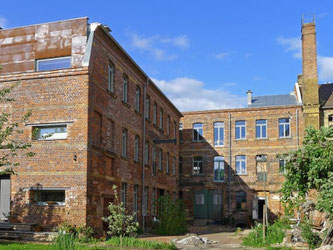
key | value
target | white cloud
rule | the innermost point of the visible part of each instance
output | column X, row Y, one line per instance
column 222, row 55
column 3, row 22
column 159, row 46
column 229, row 84
column 258, row 78
column 325, row 65
column 248, row 54
column 292, row 44
column 190, row 94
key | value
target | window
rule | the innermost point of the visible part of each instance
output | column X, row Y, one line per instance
column 330, row 118
column 124, row 142
column 284, row 127
column 174, row 166
column 218, row 133
column 136, row 148
column 146, row 160
column 240, row 200
column 241, row 164
column 160, row 159
column 174, row 130
column 97, row 128
column 217, row 199
column 218, row 168
column 135, row 200
column 153, row 201
column 125, row 88
column 180, row 165
column 155, row 114
column 53, row 63
column 240, row 129
column 197, row 165
column 123, row 193
column 145, row 201
column 167, row 163
column 199, row 199
column 261, row 129
column 111, row 77
column 168, row 125
column 147, row 111
column 180, row 131
column 161, row 119
column 261, row 164
column 109, row 137
column 54, row 132
column 197, row 132
column 282, row 166
column 137, row 99
column 153, row 160
column 50, row 197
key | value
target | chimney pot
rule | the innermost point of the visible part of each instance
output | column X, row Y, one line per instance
column 249, row 97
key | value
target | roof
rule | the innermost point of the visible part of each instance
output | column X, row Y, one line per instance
column 273, row 100
column 326, row 95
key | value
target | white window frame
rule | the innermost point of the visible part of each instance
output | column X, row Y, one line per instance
column 219, row 126
column 196, row 164
column 111, row 74
column 51, row 136
column 155, row 114
column 147, row 108
column 52, row 59
column 125, row 89
column 123, row 194
column 284, row 166
column 161, row 119
column 124, row 142
column 240, row 160
column 136, row 148
column 196, row 136
column 219, row 165
column 137, row 98
column 181, row 131
column 284, row 128
column 239, row 127
column 261, row 129
column 168, row 125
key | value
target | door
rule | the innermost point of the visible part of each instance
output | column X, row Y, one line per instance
column 261, row 204
column 200, row 204
column 4, row 197
column 215, row 207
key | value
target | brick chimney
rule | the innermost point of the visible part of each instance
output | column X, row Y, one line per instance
column 310, row 75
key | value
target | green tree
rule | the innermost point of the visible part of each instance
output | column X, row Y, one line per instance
column 311, row 168
column 10, row 143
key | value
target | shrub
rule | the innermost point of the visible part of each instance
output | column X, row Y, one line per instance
column 309, row 236
column 64, row 242
column 138, row 243
column 120, row 223
column 171, row 217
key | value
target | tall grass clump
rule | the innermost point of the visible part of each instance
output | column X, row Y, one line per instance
column 64, row 242
column 138, row 243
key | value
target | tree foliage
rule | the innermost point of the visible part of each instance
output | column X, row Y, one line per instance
column 10, row 143
column 311, row 168
column 119, row 222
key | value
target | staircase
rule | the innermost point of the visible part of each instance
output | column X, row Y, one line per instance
column 23, row 231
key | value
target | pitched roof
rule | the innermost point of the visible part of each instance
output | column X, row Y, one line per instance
column 326, row 95
column 273, row 100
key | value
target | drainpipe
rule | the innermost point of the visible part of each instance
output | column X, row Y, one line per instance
column 297, row 133
column 143, row 153
column 230, row 168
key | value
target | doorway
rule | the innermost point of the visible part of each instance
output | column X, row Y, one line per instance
column 261, row 204
column 4, row 197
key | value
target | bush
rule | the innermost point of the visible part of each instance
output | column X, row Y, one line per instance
column 309, row 236
column 138, row 243
column 171, row 217
column 120, row 223
column 274, row 234
column 82, row 234
column 64, row 242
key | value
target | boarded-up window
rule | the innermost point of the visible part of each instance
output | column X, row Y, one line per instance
column 199, row 199
column 97, row 128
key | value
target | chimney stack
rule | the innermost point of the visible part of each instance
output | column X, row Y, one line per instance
column 310, row 75
column 249, row 97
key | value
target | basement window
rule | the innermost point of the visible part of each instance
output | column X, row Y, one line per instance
column 53, row 63
column 330, row 118
column 50, row 197
column 52, row 132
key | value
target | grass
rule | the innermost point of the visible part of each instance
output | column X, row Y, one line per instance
column 139, row 243
column 25, row 246
column 275, row 234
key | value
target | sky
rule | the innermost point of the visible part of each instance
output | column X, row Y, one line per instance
column 202, row 54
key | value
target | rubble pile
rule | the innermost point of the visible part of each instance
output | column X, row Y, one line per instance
column 193, row 240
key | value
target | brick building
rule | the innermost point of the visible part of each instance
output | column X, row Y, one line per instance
column 226, row 155
column 88, row 126
column 98, row 120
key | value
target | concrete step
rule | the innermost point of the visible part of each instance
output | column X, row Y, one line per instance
column 200, row 222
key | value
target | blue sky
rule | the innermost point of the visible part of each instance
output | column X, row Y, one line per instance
column 203, row 54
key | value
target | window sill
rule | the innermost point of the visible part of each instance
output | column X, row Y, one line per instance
column 215, row 181
column 138, row 113
column 198, row 141
column 219, row 146
column 240, row 139
column 283, row 138
column 43, row 140
column 241, row 174
column 262, row 139
column 46, row 205
column 197, row 174
column 148, row 120
column 111, row 93
column 126, row 104
column 124, row 158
